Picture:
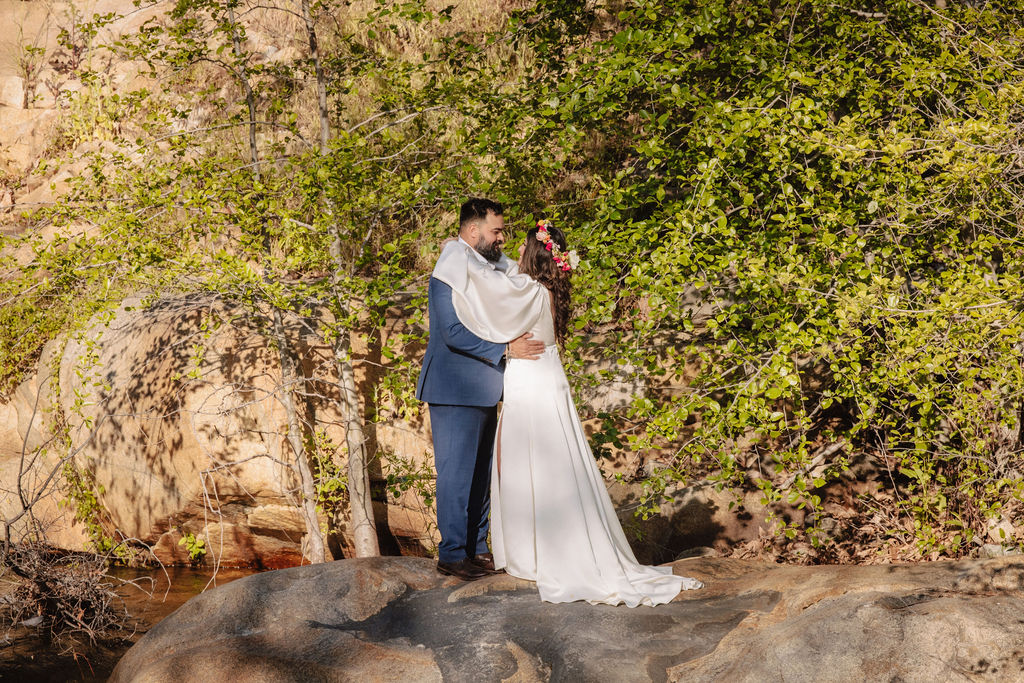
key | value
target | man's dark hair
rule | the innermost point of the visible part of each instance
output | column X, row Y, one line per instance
column 477, row 208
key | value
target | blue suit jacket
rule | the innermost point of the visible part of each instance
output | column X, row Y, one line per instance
column 459, row 368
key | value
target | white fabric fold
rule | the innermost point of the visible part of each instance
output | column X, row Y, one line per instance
column 495, row 306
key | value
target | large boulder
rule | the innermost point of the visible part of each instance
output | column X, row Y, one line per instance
column 176, row 428
column 385, row 619
column 176, row 424
column 176, row 421
column 25, row 134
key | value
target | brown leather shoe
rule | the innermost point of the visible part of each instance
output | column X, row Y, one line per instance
column 464, row 569
column 485, row 561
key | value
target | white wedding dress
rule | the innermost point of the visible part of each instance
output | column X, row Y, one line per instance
column 552, row 520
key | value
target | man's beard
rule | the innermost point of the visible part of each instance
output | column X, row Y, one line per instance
column 491, row 252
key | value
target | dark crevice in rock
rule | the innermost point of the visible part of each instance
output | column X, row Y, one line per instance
column 577, row 641
column 909, row 599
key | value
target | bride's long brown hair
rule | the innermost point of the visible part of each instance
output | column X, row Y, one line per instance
column 538, row 264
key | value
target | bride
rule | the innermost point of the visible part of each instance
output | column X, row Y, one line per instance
column 552, row 520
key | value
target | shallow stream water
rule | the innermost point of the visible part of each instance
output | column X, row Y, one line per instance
column 26, row 656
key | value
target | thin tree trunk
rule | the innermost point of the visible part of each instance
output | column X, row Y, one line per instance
column 250, row 96
column 315, row 546
column 315, row 550
column 364, row 527
column 321, row 82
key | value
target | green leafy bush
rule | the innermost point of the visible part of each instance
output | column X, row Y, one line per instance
column 818, row 207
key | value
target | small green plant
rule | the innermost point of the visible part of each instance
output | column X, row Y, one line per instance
column 30, row 58
column 331, row 478
column 403, row 474
column 194, row 545
column 83, row 493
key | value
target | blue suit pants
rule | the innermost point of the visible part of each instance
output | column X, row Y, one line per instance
column 463, row 445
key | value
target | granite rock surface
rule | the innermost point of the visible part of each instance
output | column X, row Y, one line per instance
column 388, row 619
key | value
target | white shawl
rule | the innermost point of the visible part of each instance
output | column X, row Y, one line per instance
column 495, row 306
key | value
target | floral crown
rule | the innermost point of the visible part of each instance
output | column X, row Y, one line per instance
column 565, row 260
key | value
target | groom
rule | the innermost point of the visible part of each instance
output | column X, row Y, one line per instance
column 461, row 380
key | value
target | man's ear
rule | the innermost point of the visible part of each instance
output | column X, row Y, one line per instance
column 471, row 233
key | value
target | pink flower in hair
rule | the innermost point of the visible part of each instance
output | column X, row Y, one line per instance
column 565, row 261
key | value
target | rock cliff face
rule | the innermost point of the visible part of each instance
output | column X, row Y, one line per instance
column 36, row 74
column 387, row 619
